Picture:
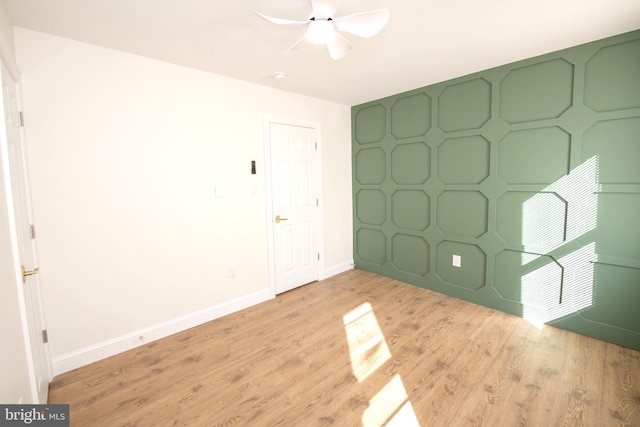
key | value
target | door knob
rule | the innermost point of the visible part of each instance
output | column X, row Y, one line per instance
column 278, row 219
column 26, row 273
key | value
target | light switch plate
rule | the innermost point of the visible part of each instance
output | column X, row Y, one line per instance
column 219, row 190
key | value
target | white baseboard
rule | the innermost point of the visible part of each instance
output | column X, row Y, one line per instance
column 336, row 269
column 99, row 351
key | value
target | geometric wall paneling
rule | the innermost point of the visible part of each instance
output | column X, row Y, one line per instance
column 537, row 92
column 410, row 209
column 612, row 78
column 579, row 191
column 529, row 172
column 411, row 116
column 369, row 125
column 472, row 270
column 608, row 309
column 537, row 278
column 616, row 146
column 534, row 156
column 464, row 106
column 532, row 219
column 462, row 213
column 370, row 167
column 371, row 246
column 619, row 226
column 411, row 163
column 371, row 206
column 410, row 254
column 463, row 160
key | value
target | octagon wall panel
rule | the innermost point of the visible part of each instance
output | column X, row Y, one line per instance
column 465, row 106
column 370, row 124
column 606, row 308
column 529, row 173
column 411, row 163
column 537, row 92
column 411, row 209
column 534, row 156
column 371, row 166
column 371, row 246
column 411, row 116
column 371, row 207
column 612, row 78
column 410, row 254
column 471, row 274
column 462, row 213
column 616, row 146
column 532, row 219
column 464, row 160
column 531, row 279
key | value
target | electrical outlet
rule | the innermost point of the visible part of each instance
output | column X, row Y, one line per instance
column 457, row 261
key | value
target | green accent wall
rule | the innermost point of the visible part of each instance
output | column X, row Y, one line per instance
column 528, row 172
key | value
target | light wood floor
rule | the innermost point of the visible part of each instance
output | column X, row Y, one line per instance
column 360, row 350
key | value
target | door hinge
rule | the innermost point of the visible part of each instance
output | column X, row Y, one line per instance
column 33, row 231
column 21, row 118
column 317, row 202
column 318, row 256
column 316, row 145
column 45, row 336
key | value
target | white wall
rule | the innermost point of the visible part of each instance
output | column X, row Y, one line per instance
column 124, row 154
column 7, row 48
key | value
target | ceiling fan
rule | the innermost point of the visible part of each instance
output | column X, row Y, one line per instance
column 322, row 27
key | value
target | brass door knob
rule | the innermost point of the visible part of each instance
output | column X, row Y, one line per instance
column 26, row 273
column 278, row 219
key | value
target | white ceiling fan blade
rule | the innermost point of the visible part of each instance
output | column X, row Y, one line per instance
column 297, row 44
column 338, row 46
column 365, row 24
column 324, row 9
column 280, row 21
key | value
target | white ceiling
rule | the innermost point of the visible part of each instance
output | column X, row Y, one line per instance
column 425, row 41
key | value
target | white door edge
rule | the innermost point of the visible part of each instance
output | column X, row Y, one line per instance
column 269, row 119
column 34, row 250
column 8, row 180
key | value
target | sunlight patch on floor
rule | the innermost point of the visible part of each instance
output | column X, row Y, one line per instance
column 390, row 407
column 405, row 417
column 368, row 351
column 367, row 346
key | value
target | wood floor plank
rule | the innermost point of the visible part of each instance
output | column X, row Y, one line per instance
column 360, row 350
column 541, row 376
column 576, row 401
column 621, row 386
column 495, row 389
column 465, row 373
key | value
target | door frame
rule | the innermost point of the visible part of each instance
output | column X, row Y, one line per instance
column 268, row 119
column 10, row 189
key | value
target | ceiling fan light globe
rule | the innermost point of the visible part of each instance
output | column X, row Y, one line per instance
column 320, row 31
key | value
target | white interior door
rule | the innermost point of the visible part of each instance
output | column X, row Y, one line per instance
column 295, row 208
column 28, row 283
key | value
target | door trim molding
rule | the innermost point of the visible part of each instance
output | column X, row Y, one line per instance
column 268, row 119
column 30, row 333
